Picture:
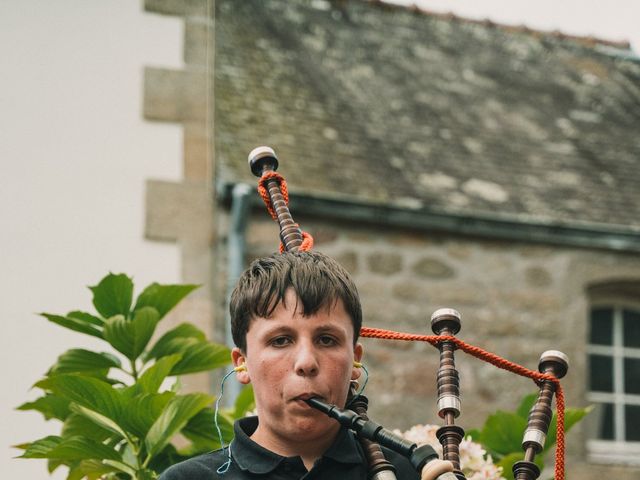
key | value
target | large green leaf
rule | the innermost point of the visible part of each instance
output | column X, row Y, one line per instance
column 197, row 355
column 144, row 321
column 88, row 392
column 152, row 378
column 146, row 474
column 502, row 433
column 122, row 467
column 101, row 420
column 143, row 410
column 72, row 448
column 90, row 470
column 41, row 447
column 245, row 401
column 78, row 360
column 507, row 463
column 75, row 324
column 474, row 433
column 163, row 297
column 130, row 337
column 164, row 344
column 78, row 424
column 51, row 406
column 113, row 295
column 526, row 404
column 135, row 474
column 201, row 431
column 129, row 455
column 54, row 463
column 173, row 418
column 165, row 458
column 200, row 357
column 80, row 448
column 86, row 318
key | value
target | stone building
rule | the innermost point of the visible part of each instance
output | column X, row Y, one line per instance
column 444, row 162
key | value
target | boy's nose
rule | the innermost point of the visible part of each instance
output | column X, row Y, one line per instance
column 306, row 363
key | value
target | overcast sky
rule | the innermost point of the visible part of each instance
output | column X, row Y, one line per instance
column 610, row 20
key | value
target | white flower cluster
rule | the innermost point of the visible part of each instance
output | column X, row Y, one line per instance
column 474, row 461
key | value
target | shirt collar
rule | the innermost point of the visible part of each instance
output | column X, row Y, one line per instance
column 250, row 456
column 345, row 449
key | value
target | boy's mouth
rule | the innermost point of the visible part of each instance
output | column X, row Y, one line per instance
column 302, row 398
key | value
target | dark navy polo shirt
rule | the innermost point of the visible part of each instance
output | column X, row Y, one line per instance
column 344, row 460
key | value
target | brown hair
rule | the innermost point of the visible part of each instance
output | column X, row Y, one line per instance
column 318, row 281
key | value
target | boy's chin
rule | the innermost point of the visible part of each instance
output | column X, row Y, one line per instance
column 316, row 425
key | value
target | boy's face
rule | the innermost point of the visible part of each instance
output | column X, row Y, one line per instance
column 289, row 358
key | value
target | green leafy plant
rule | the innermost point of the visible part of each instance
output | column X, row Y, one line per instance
column 117, row 420
column 502, row 434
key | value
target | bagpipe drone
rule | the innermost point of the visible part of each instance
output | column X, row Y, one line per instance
column 445, row 324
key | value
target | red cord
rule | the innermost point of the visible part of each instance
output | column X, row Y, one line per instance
column 499, row 362
column 264, row 194
column 305, row 246
column 307, row 239
column 492, row 358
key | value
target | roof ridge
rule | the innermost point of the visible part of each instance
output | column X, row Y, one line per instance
column 585, row 40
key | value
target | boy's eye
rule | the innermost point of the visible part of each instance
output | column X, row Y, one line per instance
column 280, row 341
column 327, row 340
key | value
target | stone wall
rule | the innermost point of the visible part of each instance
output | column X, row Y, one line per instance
column 516, row 300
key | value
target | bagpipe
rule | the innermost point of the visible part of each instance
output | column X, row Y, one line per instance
column 445, row 324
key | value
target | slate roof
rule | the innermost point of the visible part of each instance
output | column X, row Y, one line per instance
column 385, row 105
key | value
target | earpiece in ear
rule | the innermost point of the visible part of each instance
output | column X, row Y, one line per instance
column 241, row 368
column 357, row 364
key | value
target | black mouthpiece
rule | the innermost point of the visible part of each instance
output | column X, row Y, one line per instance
column 365, row 428
column 346, row 418
column 319, row 405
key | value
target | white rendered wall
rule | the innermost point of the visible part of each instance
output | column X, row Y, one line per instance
column 74, row 156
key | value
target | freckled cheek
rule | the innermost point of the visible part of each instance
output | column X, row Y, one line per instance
column 273, row 374
column 339, row 376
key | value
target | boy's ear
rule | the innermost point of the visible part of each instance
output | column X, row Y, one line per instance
column 357, row 357
column 240, row 366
